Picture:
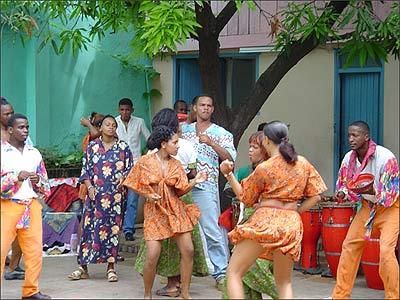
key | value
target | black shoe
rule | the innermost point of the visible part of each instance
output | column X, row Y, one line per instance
column 129, row 237
column 14, row 275
column 120, row 258
column 19, row 269
column 37, row 296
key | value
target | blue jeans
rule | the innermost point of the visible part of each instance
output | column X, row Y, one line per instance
column 208, row 202
column 130, row 213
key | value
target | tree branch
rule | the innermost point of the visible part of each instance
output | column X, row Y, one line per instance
column 271, row 77
column 225, row 15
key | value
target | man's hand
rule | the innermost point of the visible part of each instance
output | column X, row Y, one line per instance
column 23, row 175
column 339, row 197
column 200, row 177
column 33, row 177
column 204, row 138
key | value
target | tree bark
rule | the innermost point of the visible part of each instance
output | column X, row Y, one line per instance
column 209, row 63
column 238, row 120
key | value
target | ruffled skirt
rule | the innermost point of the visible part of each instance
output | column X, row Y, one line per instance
column 274, row 229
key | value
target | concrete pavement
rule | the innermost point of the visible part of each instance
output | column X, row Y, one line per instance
column 130, row 285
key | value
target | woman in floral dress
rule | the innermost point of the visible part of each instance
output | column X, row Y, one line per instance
column 105, row 165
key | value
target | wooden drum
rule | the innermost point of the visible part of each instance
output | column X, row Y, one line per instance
column 370, row 262
column 336, row 220
column 312, row 230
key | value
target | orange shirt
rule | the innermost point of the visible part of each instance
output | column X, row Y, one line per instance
column 277, row 179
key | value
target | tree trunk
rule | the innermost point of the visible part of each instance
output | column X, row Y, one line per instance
column 209, row 63
column 238, row 120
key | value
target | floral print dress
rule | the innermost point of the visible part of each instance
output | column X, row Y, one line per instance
column 102, row 217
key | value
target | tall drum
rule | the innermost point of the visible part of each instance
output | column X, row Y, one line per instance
column 312, row 230
column 336, row 220
column 370, row 262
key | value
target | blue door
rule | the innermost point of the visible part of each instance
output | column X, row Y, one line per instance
column 358, row 96
column 188, row 80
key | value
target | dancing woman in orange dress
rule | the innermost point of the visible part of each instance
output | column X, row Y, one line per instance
column 275, row 230
column 161, row 179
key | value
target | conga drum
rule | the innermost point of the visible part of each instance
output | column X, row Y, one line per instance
column 312, row 230
column 336, row 220
column 370, row 262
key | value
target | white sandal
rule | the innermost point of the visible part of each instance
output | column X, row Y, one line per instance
column 79, row 274
column 112, row 275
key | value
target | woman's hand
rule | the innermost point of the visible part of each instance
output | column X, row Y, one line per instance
column 120, row 186
column 226, row 167
column 153, row 197
column 200, row 177
column 91, row 192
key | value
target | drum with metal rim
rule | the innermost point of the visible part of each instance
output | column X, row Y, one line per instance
column 312, row 230
column 336, row 220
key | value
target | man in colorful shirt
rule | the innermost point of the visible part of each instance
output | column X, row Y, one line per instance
column 212, row 143
column 379, row 211
column 130, row 129
column 23, row 176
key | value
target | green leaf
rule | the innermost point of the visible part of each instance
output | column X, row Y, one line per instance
column 54, row 44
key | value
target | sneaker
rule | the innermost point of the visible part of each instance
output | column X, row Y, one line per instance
column 14, row 275
column 220, row 284
column 129, row 237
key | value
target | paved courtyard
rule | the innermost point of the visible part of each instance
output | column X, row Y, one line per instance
column 130, row 285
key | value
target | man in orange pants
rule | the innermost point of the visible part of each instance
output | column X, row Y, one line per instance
column 379, row 211
column 23, row 175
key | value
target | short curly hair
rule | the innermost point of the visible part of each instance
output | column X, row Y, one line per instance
column 159, row 135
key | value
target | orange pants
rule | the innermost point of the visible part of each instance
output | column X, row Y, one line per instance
column 387, row 222
column 29, row 239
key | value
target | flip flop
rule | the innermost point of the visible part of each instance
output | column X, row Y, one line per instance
column 168, row 293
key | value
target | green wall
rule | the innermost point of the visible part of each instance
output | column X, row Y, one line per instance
column 55, row 91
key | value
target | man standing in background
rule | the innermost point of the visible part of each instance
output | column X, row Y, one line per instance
column 212, row 143
column 130, row 129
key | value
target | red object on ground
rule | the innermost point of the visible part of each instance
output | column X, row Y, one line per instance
column 336, row 219
column 362, row 184
column 370, row 262
column 62, row 196
column 312, row 230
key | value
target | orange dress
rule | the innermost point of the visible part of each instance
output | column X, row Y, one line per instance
column 169, row 215
column 277, row 228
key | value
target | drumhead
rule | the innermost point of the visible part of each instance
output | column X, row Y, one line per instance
column 337, row 205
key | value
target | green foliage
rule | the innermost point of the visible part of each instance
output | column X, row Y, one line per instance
column 161, row 25
column 54, row 158
column 371, row 37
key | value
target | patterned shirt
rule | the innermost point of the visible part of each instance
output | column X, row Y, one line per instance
column 207, row 157
column 12, row 163
column 383, row 165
